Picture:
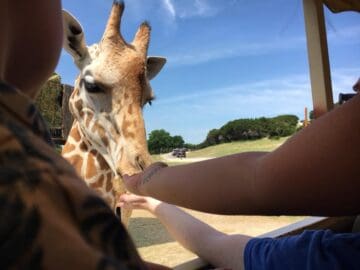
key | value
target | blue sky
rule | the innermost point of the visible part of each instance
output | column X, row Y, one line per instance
column 227, row 59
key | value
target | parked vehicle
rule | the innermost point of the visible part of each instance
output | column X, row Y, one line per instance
column 179, row 152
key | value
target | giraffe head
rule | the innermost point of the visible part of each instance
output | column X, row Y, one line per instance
column 111, row 90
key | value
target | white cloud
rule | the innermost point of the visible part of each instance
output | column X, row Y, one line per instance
column 189, row 8
column 169, row 7
column 197, row 8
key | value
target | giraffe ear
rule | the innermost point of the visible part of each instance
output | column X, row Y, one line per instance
column 74, row 40
column 154, row 65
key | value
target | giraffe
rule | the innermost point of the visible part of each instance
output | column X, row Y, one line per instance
column 107, row 138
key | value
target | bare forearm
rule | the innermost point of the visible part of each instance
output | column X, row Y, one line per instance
column 224, row 185
column 215, row 247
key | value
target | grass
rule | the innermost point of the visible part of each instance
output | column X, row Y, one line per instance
column 237, row 147
column 224, row 149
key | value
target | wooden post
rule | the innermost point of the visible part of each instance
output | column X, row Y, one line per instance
column 318, row 57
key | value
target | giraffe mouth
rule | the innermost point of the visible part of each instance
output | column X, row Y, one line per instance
column 140, row 163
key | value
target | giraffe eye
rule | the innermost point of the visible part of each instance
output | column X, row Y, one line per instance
column 150, row 100
column 92, row 87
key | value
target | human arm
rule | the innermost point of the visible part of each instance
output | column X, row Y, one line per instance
column 314, row 172
column 217, row 248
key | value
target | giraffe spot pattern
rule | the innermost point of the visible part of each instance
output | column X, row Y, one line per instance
column 74, row 133
column 108, row 186
column 76, row 161
column 79, row 105
column 89, row 117
column 68, row 148
column 130, row 109
column 99, row 183
column 91, row 170
column 83, row 146
column 125, row 128
column 105, row 141
column 102, row 162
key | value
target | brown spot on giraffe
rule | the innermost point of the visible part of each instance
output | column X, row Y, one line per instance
column 125, row 129
column 130, row 110
column 102, row 162
column 91, row 170
column 108, row 118
column 125, row 124
column 89, row 117
column 99, row 183
column 135, row 123
column 83, row 146
column 69, row 147
column 95, row 127
column 129, row 135
column 105, row 141
column 108, row 186
column 79, row 105
column 109, row 175
column 102, row 134
column 76, row 161
column 75, row 134
column 114, row 133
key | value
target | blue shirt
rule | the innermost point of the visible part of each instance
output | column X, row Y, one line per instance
column 310, row 250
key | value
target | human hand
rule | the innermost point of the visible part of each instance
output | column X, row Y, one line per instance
column 136, row 183
column 138, row 202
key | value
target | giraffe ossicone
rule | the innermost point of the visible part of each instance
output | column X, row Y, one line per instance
column 108, row 138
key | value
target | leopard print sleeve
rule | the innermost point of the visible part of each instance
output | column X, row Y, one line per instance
column 49, row 219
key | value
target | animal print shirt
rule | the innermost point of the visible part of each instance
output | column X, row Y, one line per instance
column 49, row 219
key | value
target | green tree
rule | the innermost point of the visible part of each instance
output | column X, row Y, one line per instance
column 311, row 115
column 292, row 120
column 213, row 137
column 47, row 101
column 177, row 142
column 159, row 141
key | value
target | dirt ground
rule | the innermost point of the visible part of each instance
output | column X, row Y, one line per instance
column 155, row 244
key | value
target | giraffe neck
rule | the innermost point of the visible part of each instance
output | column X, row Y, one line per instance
column 89, row 164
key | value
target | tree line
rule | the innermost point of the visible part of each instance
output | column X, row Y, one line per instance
column 160, row 141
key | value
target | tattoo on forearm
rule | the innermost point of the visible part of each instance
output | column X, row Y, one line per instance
column 149, row 175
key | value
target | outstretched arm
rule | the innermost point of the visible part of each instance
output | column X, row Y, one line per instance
column 315, row 172
column 217, row 248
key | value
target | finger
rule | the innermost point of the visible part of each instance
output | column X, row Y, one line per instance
column 131, row 198
column 121, row 204
column 131, row 182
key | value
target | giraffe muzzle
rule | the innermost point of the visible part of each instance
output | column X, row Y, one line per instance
column 140, row 163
